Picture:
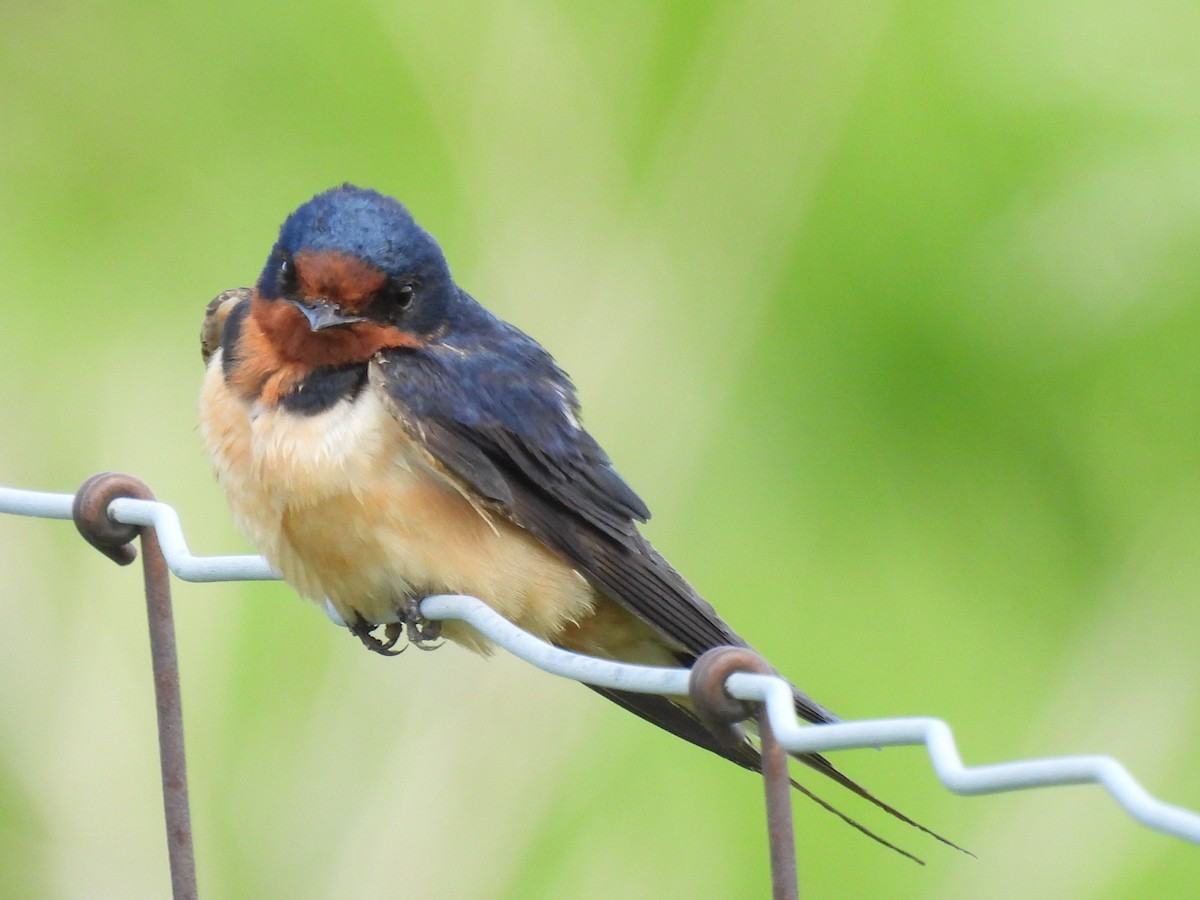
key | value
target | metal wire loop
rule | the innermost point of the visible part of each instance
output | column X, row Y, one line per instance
column 718, row 710
column 90, row 511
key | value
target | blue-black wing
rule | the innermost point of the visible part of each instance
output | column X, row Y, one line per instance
column 503, row 418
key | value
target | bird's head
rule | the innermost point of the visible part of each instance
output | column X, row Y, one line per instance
column 351, row 274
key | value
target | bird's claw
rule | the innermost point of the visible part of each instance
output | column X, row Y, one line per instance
column 423, row 633
column 363, row 630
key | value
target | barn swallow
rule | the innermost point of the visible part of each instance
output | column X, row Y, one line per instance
column 382, row 437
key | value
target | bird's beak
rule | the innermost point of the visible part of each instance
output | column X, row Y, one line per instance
column 322, row 314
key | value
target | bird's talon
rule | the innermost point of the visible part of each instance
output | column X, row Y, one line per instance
column 362, row 629
column 423, row 633
column 426, row 641
column 392, row 632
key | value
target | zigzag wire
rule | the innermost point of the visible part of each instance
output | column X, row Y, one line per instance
column 933, row 733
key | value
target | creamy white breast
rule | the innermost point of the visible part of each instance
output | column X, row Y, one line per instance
column 347, row 506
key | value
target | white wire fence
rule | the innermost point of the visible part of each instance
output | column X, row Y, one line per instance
column 773, row 692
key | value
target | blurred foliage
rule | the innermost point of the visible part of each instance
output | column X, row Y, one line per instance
column 891, row 311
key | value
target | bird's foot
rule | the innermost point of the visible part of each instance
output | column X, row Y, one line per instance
column 422, row 633
column 363, row 630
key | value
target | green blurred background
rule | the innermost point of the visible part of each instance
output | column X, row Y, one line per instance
column 891, row 311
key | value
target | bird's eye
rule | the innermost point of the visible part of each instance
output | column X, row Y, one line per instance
column 287, row 275
column 404, row 295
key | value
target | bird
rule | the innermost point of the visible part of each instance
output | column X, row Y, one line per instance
column 382, row 437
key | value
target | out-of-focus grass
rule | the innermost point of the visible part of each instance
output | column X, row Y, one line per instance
column 888, row 310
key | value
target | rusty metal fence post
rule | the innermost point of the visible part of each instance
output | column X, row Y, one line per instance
column 114, row 540
column 722, row 713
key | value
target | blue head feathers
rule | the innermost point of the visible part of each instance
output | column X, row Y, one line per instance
column 365, row 224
